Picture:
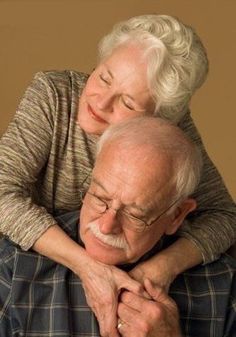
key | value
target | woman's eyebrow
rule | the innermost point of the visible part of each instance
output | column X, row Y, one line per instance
column 108, row 70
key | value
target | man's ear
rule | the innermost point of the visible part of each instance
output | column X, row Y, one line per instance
column 180, row 213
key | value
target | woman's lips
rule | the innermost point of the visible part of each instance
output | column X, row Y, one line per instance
column 95, row 116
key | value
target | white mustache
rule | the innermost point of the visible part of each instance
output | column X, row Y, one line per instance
column 114, row 240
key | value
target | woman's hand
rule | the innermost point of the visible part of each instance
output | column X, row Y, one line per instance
column 163, row 268
column 156, row 269
column 103, row 284
column 142, row 317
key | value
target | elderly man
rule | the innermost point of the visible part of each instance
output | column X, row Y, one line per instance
column 139, row 195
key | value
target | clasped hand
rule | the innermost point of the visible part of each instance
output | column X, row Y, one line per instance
column 102, row 285
column 153, row 317
column 144, row 310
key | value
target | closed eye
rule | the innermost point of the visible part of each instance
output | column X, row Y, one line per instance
column 104, row 79
column 132, row 216
column 127, row 105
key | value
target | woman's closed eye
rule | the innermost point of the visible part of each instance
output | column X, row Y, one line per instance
column 127, row 104
column 105, row 79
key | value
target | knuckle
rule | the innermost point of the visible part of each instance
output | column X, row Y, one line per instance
column 155, row 311
column 145, row 327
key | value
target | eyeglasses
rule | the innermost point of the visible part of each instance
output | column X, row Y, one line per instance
column 127, row 220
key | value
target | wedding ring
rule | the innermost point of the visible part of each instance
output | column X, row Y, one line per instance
column 120, row 323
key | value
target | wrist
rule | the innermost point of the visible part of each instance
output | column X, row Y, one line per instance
column 180, row 256
column 59, row 247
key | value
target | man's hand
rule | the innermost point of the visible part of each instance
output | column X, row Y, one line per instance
column 103, row 284
column 142, row 317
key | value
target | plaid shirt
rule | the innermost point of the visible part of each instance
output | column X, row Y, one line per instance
column 40, row 298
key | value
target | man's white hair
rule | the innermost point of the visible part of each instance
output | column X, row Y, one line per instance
column 163, row 137
column 177, row 60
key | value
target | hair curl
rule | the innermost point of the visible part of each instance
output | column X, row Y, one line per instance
column 177, row 60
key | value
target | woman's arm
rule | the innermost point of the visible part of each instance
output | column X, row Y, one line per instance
column 212, row 226
column 164, row 267
column 24, row 150
column 209, row 230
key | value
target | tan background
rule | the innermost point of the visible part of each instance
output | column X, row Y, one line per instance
column 63, row 34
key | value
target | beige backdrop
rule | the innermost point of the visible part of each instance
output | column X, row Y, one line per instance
column 63, row 34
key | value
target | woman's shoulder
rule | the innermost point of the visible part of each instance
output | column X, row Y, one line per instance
column 60, row 79
column 62, row 76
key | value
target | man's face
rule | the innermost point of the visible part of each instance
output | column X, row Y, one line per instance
column 131, row 187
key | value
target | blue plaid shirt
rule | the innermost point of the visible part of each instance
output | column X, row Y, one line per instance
column 40, row 298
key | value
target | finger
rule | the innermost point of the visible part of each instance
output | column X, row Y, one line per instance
column 134, row 301
column 127, row 330
column 133, row 286
column 130, row 284
column 108, row 322
column 134, row 323
column 127, row 314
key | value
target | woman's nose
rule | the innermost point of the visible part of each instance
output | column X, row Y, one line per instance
column 109, row 223
column 105, row 102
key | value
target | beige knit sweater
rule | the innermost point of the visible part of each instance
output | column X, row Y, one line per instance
column 45, row 158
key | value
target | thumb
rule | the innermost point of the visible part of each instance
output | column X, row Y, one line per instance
column 156, row 292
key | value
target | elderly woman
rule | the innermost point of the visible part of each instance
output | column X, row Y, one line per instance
column 150, row 64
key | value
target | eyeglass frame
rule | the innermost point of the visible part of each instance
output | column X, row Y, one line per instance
column 146, row 225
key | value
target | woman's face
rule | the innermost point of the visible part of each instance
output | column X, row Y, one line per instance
column 116, row 90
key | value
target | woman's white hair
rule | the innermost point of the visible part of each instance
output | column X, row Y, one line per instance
column 177, row 60
column 163, row 137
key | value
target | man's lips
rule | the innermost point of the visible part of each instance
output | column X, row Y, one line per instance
column 95, row 116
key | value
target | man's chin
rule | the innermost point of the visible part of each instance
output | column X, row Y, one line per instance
column 108, row 255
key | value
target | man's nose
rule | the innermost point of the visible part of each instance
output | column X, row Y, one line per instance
column 109, row 223
column 105, row 101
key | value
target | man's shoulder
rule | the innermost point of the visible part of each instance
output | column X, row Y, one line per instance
column 7, row 250
column 216, row 277
column 17, row 265
column 225, row 264
column 224, row 267
column 205, row 295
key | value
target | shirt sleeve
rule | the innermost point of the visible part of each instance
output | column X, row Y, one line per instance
column 212, row 226
column 24, row 149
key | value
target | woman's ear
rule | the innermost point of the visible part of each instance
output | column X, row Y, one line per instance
column 180, row 214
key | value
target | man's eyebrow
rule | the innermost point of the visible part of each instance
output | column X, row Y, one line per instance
column 139, row 208
column 132, row 205
column 95, row 181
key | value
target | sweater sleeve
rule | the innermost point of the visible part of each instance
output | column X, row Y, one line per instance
column 212, row 226
column 24, row 149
